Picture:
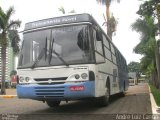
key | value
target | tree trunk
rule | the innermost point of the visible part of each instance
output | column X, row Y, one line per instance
column 3, row 68
column 152, row 79
column 109, row 32
column 155, row 79
column 157, row 63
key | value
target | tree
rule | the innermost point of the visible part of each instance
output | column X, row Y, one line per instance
column 14, row 40
column 148, row 8
column 6, row 24
column 13, row 72
column 111, row 22
column 134, row 67
column 148, row 46
column 64, row 11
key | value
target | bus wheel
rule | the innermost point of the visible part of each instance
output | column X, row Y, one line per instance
column 104, row 100
column 53, row 103
column 122, row 94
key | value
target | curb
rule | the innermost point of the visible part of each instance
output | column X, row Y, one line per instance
column 8, row 96
column 154, row 106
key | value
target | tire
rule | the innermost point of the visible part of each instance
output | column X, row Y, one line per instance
column 104, row 100
column 122, row 94
column 53, row 103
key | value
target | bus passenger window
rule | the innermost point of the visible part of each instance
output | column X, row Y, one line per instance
column 99, row 47
column 106, row 42
column 112, row 49
column 98, row 42
column 99, row 36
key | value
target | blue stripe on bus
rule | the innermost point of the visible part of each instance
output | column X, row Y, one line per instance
column 57, row 92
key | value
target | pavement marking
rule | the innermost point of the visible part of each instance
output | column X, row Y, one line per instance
column 8, row 96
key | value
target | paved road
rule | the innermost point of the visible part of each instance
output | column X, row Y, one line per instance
column 133, row 105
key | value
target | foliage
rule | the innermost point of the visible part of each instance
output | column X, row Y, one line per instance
column 64, row 11
column 14, row 39
column 134, row 67
column 13, row 72
column 104, row 2
column 148, row 8
column 146, row 26
column 6, row 25
column 146, row 47
column 156, row 94
column 111, row 21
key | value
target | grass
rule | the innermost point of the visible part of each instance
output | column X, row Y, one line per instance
column 156, row 93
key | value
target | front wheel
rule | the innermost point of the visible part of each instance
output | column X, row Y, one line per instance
column 53, row 103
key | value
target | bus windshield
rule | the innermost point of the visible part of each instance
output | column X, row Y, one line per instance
column 57, row 46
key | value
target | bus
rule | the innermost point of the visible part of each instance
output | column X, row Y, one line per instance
column 69, row 58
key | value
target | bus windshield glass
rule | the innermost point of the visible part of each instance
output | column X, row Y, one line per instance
column 65, row 45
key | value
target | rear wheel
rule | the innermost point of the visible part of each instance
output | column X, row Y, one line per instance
column 124, row 88
column 104, row 100
column 53, row 103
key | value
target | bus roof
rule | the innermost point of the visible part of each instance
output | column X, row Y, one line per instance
column 76, row 18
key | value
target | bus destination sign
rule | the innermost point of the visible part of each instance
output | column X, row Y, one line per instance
column 57, row 21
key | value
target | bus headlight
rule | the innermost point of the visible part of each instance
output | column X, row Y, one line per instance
column 27, row 79
column 21, row 79
column 24, row 79
column 84, row 75
column 77, row 76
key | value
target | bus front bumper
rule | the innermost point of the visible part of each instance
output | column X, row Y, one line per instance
column 67, row 91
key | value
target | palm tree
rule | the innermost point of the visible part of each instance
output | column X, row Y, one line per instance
column 14, row 40
column 147, row 46
column 61, row 9
column 5, row 26
column 110, row 19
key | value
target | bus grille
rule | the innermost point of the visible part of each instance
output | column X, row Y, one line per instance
column 49, row 92
column 46, row 80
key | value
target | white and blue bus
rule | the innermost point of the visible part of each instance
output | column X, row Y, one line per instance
column 69, row 58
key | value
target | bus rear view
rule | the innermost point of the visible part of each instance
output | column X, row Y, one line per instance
column 57, row 61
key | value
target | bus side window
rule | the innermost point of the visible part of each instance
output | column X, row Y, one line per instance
column 98, row 41
column 99, row 35
column 98, row 45
column 107, row 48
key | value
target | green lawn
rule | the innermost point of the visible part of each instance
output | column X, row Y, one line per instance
column 156, row 94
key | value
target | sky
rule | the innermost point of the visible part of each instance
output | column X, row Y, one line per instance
column 125, row 12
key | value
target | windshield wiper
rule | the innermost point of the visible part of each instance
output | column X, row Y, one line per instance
column 60, row 58
column 53, row 51
column 42, row 53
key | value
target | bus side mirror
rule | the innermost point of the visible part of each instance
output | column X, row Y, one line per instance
column 83, row 41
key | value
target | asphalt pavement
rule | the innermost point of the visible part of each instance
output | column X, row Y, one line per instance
column 136, row 105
